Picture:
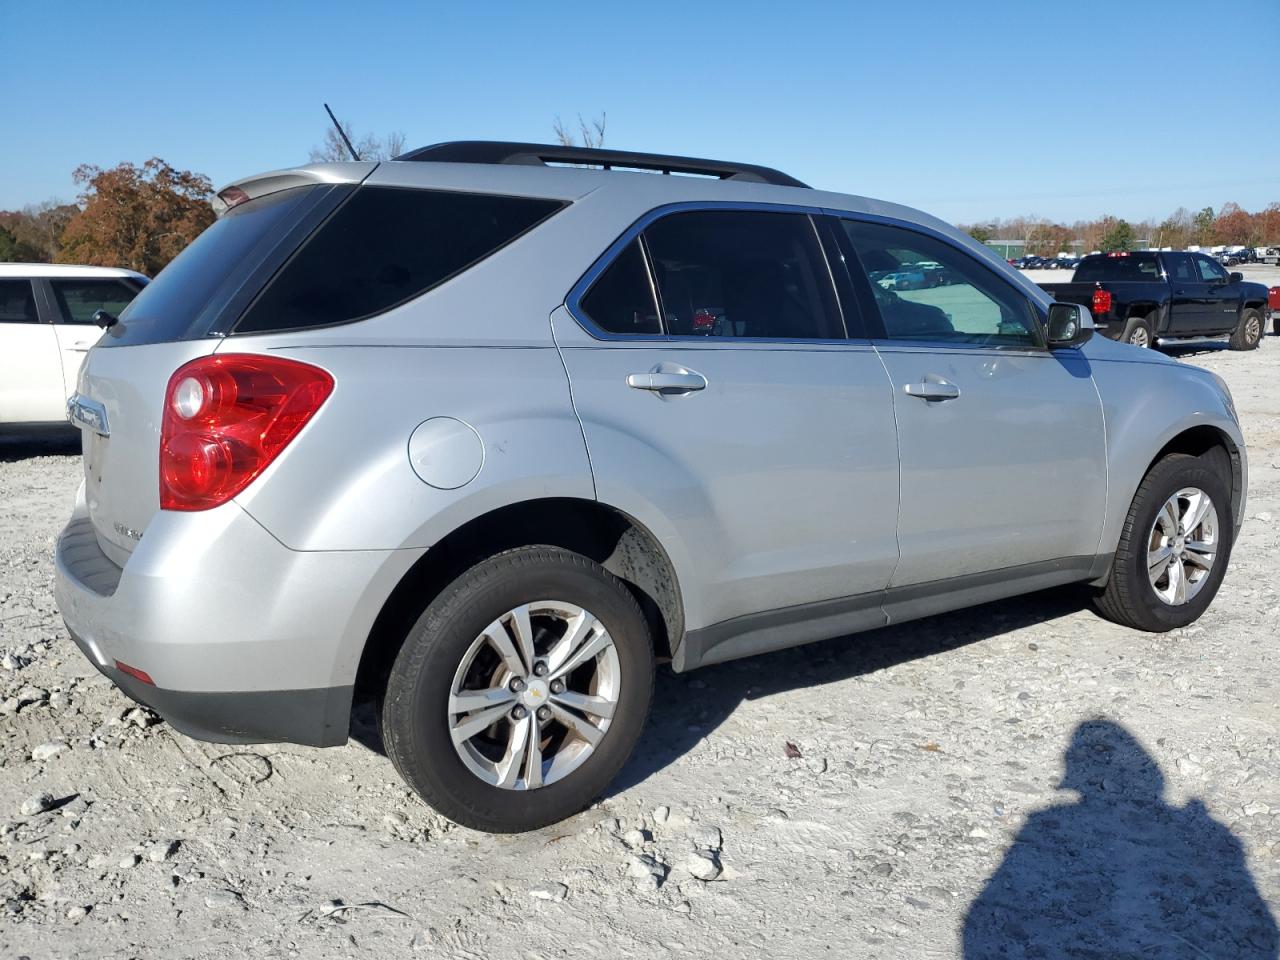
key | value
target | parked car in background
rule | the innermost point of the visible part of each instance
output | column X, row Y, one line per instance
column 1139, row 297
column 46, row 328
column 485, row 436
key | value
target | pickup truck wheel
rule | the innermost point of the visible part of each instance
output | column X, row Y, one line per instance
column 521, row 690
column 1248, row 334
column 1174, row 546
column 1138, row 332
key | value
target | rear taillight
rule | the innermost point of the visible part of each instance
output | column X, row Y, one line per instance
column 226, row 418
column 1101, row 302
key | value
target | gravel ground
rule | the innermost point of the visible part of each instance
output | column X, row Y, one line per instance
column 1019, row 780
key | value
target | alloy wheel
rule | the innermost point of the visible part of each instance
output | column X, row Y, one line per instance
column 534, row 695
column 1139, row 337
column 1182, row 546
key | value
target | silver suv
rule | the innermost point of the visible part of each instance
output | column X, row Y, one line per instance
column 487, row 431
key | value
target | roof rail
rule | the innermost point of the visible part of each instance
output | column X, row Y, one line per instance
column 542, row 154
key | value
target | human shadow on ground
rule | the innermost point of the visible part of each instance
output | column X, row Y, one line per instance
column 1120, row 873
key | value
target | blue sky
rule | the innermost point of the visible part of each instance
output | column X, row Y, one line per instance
column 967, row 109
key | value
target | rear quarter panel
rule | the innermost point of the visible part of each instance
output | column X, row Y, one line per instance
column 347, row 482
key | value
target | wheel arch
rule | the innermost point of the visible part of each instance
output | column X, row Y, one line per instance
column 614, row 539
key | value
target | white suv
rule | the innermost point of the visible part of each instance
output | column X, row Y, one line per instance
column 46, row 328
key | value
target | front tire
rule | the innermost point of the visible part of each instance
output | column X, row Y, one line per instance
column 1248, row 333
column 521, row 690
column 1174, row 547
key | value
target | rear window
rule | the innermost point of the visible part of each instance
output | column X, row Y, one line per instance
column 187, row 295
column 387, row 245
column 79, row 300
column 1131, row 266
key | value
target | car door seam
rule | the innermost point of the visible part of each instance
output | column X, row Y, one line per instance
column 897, row 444
column 573, row 402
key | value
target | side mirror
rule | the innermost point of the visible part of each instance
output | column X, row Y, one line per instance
column 103, row 319
column 1236, row 277
column 1070, row 325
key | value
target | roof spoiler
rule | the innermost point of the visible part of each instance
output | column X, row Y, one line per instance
column 546, row 154
column 241, row 191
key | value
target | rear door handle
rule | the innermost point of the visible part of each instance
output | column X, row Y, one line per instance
column 932, row 390
column 674, row 382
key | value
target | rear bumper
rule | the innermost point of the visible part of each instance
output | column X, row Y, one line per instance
column 246, row 640
column 317, row 718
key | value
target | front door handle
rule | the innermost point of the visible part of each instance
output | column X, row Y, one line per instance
column 664, row 382
column 937, row 389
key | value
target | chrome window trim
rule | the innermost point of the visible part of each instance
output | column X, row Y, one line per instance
column 573, row 300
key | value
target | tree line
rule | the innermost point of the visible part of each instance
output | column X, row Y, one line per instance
column 1231, row 225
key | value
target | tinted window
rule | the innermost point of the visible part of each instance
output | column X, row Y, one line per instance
column 385, row 246
column 743, row 274
column 204, row 275
column 78, row 300
column 1118, row 266
column 17, row 302
column 926, row 289
column 621, row 299
column 1210, row 270
column 1181, row 268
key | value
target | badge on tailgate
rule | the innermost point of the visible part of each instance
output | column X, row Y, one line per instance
column 88, row 413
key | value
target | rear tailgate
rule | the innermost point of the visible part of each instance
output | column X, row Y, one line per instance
column 179, row 316
column 1081, row 293
column 118, row 406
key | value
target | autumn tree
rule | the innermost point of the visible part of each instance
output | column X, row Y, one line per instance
column 982, row 232
column 36, row 231
column 1233, row 225
column 1049, row 239
column 136, row 217
column 369, row 147
column 1268, row 221
column 588, row 134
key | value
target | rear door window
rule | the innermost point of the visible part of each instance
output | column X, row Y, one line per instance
column 17, row 302
column 79, row 300
column 743, row 274
column 620, row 301
column 384, row 246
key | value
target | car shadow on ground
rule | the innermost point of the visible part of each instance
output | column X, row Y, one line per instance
column 689, row 706
column 1120, row 872
column 1194, row 348
column 54, row 442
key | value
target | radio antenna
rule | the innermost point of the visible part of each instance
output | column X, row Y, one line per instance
column 342, row 133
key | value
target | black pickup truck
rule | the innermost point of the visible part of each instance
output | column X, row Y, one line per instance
column 1139, row 297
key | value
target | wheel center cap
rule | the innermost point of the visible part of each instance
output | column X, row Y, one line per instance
column 536, row 693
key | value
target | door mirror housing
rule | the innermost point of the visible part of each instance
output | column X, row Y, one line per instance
column 1236, row 277
column 1070, row 325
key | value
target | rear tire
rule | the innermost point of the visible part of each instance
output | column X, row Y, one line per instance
column 1130, row 597
column 469, row 643
column 1139, row 333
column 1248, row 333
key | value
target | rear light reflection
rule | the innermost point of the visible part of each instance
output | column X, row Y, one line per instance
column 135, row 673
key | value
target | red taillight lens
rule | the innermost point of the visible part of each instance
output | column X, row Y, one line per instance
column 226, row 418
column 1101, row 302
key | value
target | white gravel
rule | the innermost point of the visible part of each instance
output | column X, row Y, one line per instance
column 890, row 795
